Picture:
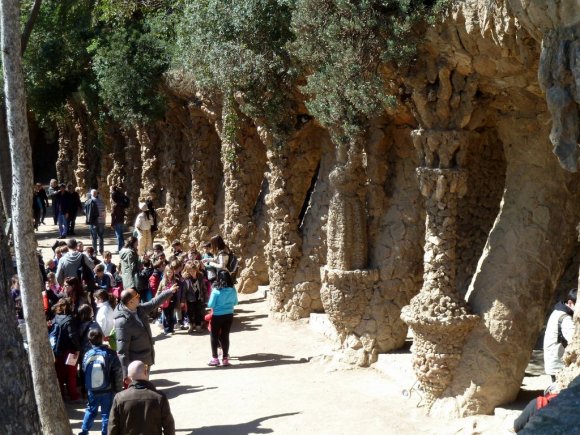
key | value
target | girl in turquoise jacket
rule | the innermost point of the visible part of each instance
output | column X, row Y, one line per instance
column 222, row 300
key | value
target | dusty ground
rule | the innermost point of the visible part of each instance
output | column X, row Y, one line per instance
column 282, row 380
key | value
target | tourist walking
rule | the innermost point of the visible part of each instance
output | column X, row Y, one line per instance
column 103, row 378
column 119, row 203
column 66, row 347
column 140, row 409
column 40, row 200
column 76, row 205
column 96, row 215
column 62, row 203
column 143, row 225
column 222, row 300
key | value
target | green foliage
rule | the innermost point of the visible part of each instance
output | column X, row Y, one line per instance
column 128, row 63
column 341, row 44
column 56, row 62
column 238, row 46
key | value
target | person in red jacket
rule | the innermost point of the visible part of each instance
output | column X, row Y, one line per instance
column 535, row 405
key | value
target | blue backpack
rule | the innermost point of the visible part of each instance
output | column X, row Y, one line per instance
column 96, row 365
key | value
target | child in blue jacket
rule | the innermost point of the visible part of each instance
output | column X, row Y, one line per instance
column 222, row 300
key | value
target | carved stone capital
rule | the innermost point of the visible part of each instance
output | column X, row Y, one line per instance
column 442, row 185
column 443, row 149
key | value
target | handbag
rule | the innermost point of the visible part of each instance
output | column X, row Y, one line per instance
column 87, row 275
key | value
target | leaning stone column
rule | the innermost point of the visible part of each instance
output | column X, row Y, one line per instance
column 347, row 285
column 438, row 316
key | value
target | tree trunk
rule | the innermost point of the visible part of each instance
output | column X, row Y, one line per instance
column 50, row 407
column 17, row 415
column 5, row 169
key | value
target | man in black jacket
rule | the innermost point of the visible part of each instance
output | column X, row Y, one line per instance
column 75, row 205
column 62, row 202
column 141, row 409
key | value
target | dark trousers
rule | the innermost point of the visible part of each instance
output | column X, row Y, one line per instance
column 195, row 312
column 71, row 222
column 169, row 317
column 220, row 334
column 36, row 214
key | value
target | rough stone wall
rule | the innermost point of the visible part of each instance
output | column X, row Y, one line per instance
column 206, row 174
column 243, row 156
column 175, row 159
column 147, row 136
column 479, row 207
column 67, row 149
column 115, row 160
column 131, row 173
column 290, row 174
column 307, row 281
column 398, row 244
column 528, row 247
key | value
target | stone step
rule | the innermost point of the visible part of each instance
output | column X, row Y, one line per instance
column 320, row 324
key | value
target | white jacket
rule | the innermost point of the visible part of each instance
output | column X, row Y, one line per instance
column 105, row 318
column 142, row 223
column 553, row 350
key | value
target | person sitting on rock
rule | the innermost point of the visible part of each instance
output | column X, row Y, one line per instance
column 559, row 331
column 534, row 406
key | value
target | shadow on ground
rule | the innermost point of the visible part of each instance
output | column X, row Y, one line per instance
column 250, row 427
column 252, row 361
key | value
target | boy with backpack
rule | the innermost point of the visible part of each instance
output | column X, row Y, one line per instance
column 103, row 378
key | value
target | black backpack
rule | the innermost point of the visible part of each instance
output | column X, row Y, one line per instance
column 54, row 337
column 125, row 201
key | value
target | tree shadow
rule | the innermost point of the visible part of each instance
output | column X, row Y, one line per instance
column 257, row 360
column 244, row 323
column 251, row 427
column 251, row 301
column 178, row 390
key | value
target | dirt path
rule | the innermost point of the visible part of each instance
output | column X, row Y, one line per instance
column 281, row 381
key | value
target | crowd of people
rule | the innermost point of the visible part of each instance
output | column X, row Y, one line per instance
column 99, row 313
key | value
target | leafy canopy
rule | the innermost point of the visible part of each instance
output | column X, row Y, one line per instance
column 239, row 46
column 342, row 43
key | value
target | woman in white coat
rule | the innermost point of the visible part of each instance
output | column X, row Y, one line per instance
column 143, row 225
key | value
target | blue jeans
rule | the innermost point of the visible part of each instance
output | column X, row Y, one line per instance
column 103, row 400
column 98, row 231
column 119, row 235
column 62, row 225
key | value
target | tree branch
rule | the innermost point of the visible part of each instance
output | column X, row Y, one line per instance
column 29, row 25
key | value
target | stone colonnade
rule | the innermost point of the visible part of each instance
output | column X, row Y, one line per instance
column 438, row 315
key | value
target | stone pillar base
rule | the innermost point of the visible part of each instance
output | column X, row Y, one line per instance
column 345, row 296
column 440, row 324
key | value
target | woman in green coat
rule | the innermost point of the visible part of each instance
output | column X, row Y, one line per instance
column 130, row 263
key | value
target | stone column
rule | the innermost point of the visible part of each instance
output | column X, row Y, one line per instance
column 438, row 316
column 347, row 284
column 147, row 138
